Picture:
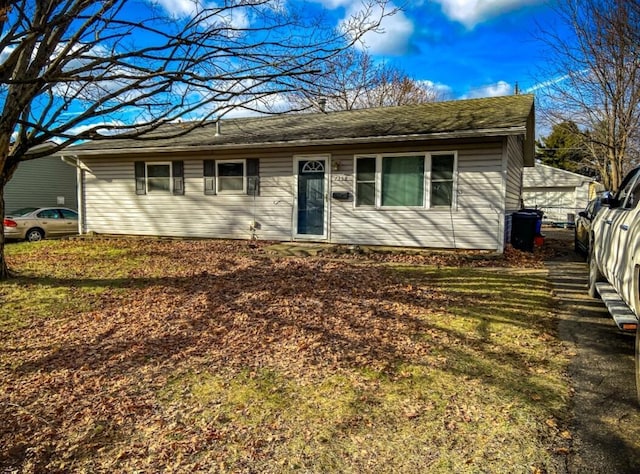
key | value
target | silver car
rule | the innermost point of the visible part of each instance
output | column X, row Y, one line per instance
column 34, row 224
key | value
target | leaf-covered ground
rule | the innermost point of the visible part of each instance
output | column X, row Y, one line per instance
column 209, row 356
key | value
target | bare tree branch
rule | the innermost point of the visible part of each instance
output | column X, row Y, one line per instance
column 352, row 80
column 74, row 69
column 598, row 81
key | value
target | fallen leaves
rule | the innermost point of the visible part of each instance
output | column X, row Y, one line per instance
column 194, row 355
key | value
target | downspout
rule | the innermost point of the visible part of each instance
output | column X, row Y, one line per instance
column 80, row 167
column 501, row 209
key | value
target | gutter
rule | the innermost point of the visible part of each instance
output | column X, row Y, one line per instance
column 303, row 142
column 80, row 169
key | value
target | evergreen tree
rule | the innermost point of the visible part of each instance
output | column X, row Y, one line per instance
column 565, row 149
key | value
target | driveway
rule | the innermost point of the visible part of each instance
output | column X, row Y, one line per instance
column 606, row 432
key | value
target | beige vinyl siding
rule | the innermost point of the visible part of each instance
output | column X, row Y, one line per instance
column 112, row 205
column 515, row 163
column 40, row 183
column 513, row 171
column 559, row 193
column 472, row 224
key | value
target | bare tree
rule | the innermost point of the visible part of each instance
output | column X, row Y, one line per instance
column 597, row 81
column 77, row 69
column 352, row 80
column 394, row 87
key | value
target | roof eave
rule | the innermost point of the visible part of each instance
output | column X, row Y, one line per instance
column 300, row 143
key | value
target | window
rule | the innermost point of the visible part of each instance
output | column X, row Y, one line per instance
column 49, row 214
column 411, row 180
column 403, row 181
column 68, row 214
column 159, row 177
column 442, row 180
column 231, row 177
column 629, row 193
column 366, row 182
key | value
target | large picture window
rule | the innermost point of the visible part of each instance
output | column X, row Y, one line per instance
column 407, row 180
column 402, row 181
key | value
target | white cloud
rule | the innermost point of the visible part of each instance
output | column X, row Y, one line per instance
column 234, row 17
column 491, row 90
column 179, row 8
column 472, row 12
column 333, row 4
column 390, row 38
column 97, row 126
column 393, row 36
column 442, row 91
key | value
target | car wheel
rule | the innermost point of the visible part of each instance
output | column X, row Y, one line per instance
column 576, row 243
column 595, row 276
column 34, row 235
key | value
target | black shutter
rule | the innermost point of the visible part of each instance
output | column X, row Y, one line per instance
column 253, row 177
column 209, row 173
column 141, row 187
column 177, row 170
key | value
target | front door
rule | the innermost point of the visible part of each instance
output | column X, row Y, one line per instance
column 311, row 211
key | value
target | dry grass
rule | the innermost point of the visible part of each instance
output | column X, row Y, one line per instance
column 205, row 356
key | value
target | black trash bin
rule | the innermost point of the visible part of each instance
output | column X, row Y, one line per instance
column 540, row 214
column 524, row 228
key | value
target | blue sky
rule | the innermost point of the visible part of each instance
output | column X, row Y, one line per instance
column 470, row 48
column 467, row 48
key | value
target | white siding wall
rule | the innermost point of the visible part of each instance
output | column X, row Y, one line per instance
column 514, row 162
column 559, row 193
column 112, row 205
column 473, row 224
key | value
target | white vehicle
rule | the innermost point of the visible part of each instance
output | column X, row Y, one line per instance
column 614, row 258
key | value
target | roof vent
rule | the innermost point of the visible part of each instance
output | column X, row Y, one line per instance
column 217, row 128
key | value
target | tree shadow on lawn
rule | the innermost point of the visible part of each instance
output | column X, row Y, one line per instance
column 303, row 318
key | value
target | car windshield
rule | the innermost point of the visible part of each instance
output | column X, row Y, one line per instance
column 22, row 212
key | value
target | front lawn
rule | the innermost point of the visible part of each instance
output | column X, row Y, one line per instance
column 213, row 356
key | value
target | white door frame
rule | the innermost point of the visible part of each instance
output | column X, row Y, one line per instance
column 327, row 180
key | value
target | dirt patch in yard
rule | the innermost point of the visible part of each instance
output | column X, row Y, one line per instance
column 510, row 258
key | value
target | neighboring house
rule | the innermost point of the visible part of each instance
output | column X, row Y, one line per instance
column 559, row 193
column 445, row 174
column 40, row 183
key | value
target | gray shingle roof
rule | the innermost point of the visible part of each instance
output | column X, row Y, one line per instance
column 473, row 117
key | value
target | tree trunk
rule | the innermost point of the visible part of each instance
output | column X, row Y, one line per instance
column 4, row 269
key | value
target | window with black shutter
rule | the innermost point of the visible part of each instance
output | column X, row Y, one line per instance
column 253, row 177
column 178, row 177
column 153, row 177
column 140, row 173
